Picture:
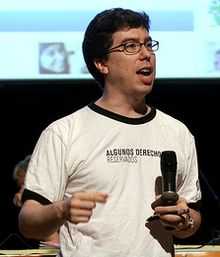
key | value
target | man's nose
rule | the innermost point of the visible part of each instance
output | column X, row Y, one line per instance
column 146, row 52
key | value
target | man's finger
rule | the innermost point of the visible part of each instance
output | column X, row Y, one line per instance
column 83, row 204
column 81, row 212
column 99, row 197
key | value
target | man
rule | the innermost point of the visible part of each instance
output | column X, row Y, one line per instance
column 94, row 174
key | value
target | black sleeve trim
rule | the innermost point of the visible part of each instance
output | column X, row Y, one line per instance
column 30, row 195
column 196, row 206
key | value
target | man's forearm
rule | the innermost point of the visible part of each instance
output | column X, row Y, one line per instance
column 38, row 221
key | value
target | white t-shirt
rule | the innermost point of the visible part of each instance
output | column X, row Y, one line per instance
column 96, row 150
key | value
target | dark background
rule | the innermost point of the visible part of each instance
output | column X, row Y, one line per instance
column 27, row 107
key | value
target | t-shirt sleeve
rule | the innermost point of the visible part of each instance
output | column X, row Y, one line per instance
column 189, row 185
column 46, row 175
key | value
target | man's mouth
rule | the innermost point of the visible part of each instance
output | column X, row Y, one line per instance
column 144, row 71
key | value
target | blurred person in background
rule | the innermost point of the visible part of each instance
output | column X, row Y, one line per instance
column 19, row 174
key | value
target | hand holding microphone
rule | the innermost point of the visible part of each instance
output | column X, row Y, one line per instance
column 172, row 211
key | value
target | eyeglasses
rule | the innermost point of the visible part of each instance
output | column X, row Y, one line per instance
column 135, row 47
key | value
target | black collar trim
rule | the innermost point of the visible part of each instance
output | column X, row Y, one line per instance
column 121, row 118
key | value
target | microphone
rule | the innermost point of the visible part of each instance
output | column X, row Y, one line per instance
column 168, row 164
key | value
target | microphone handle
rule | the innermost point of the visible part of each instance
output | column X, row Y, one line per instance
column 167, row 198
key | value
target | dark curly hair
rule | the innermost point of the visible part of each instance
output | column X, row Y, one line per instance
column 98, row 35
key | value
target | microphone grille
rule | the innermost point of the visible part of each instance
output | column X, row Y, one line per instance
column 168, row 161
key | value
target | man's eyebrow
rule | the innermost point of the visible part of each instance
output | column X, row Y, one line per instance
column 135, row 39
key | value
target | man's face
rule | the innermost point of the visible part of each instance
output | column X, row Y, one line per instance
column 20, row 177
column 131, row 73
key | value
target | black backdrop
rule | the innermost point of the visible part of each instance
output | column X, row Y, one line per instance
column 27, row 107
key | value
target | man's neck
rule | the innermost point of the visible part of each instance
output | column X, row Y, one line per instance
column 134, row 109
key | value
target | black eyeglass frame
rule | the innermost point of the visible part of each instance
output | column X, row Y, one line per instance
column 148, row 45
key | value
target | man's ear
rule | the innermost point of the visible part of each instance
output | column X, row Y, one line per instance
column 101, row 66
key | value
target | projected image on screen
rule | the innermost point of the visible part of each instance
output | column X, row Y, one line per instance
column 54, row 58
column 214, row 9
column 217, row 60
column 43, row 41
